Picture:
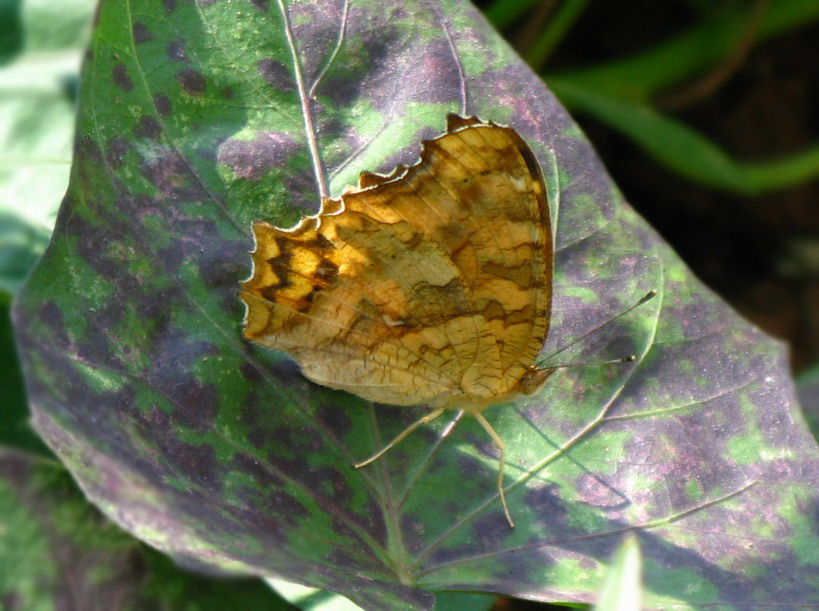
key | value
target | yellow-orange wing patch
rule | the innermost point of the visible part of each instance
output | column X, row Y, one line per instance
column 431, row 285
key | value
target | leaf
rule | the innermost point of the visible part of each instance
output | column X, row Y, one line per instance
column 620, row 92
column 311, row 599
column 684, row 150
column 639, row 77
column 11, row 31
column 20, row 246
column 37, row 110
column 45, row 40
column 14, row 427
column 622, row 586
column 807, row 387
column 58, row 552
column 672, row 143
column 195, row 124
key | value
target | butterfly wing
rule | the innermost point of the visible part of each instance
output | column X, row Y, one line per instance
column 478, row 193
column 365, row 306
column 428, row 286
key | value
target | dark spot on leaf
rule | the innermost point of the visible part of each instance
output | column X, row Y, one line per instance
column 256, row 435
column 251, row 159
column 141, row 33
column 246, row 463
column 335, row 418
column 335, row 482
column 301, row 187
column 411, row 524
column 192, row 82
column 227, row 93
column 86, row 147
column 284, row 505
column 341, row 89
column 377, row 47
column 117, row 150
column 375, row 520
column 206, row 153
column 163, row 105
column 227, row 265
column 546, row 498
column 196, row 462
column 345, row 557
column 262, row 5
column 170, row 6
column 276, row 74
column 196, row 402
column 340, row 527
column 148, row 127
column 52, row 317
column 332, row 128
column 121, row 78
column 286, row 371
column 175, row 50
column 289, row 445
column 251, row 373
column 171, row 174
column 438, row 79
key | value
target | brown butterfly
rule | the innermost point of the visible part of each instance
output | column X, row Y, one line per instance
column 432, row 285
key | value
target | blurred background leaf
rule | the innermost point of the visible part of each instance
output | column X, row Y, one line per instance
column 37, row 95
column 41, row 46
column 623, row 583
column 58, row 552
column 807, row 388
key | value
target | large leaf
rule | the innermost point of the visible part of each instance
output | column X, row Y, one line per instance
column 197, row 118
column 58, row 552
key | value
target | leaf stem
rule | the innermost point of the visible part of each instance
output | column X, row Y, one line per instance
column 309, row 127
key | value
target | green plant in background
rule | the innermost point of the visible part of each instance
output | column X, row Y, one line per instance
column 34, row 176
column 628, row 93
column 39, row 68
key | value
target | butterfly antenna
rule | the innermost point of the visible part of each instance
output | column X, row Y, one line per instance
column 644, row 299
column 626, row 359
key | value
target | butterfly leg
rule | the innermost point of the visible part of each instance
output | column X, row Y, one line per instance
column 404, row 434
column 502, row 448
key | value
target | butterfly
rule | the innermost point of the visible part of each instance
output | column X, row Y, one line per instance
column 428, row 286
